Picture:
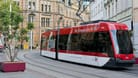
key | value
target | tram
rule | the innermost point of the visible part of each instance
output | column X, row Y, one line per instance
column 97, row 43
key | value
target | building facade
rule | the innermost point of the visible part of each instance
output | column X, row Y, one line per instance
column 135, row 24
column 49, row 14
column 123, row 11
column 97, row 10
column 119, row 10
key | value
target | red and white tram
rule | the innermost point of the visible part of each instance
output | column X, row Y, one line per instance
column 99, row 43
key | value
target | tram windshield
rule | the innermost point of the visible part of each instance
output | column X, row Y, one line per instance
column 122, row 41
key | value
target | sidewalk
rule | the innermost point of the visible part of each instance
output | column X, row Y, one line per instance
column 2, row 57
column 30, row 72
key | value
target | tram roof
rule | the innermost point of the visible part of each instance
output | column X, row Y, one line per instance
column 96, row 21
column 96, row 26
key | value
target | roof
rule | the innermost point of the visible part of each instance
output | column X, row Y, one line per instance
column 96, row 21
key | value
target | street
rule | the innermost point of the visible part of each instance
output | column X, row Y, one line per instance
column 43, row 67
column 99, row 33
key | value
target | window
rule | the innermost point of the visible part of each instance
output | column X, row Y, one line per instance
column 102, row 42
column 96, row 42
column 34, row 6
column 30, row 18
column 48, row 41
column 63, row 1
column 123, row 38
column 91, row 42
column 29, row 6
column 42, row 7
column 49, row 8
column 108, row 11
column 45, row 8
column 47, row 22
column 63, row 42
column 99, row 42
column 69, row 2
column 52, row 40
column 42, row 22
column 44, row 42
column 74, row 42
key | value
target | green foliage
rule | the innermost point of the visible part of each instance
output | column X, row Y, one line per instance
column 9, row 17
column 12, row 18
column 23, row 31
column 30, row 26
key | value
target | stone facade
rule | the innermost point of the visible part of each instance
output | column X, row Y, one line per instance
column 45, row 14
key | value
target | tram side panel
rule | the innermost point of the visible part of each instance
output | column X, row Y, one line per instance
column 48, row 45
column 84, row 48
column 99, row 47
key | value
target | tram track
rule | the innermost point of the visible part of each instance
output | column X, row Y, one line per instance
column 32, row 70
column 61, row 72
column 66, row 70
column 50, row 69
column 40, row 73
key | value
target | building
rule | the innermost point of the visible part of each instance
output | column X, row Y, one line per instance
column 97, row 10
column 119, row 10
column 49, row 14
column 135, row 24
column 123, row 11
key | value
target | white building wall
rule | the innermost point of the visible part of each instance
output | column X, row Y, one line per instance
column 97, row 10
column 136, row 37
column 118, row 10
column 135, row 25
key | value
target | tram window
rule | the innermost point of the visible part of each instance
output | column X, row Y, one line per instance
column 86, row 42
column 103, row 43
column 73, row 42
column 63, row 42
column 51, row 42
column 123, row 38
column 96, row 42
column 44, row 42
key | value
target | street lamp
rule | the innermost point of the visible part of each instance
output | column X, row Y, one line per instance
column 10, row 16
column 58, row 31
column 31, row 16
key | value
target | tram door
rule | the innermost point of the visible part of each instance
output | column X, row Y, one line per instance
column 88, row 45
column 103, row 47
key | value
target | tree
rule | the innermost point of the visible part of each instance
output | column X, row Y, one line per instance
column 30, row 26
column 22, row 36
column 10, row 19
column 23, row 33
column 81, row 7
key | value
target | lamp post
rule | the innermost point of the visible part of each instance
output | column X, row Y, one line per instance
column 31, row 16
column 58, row 31
column 10, row 16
